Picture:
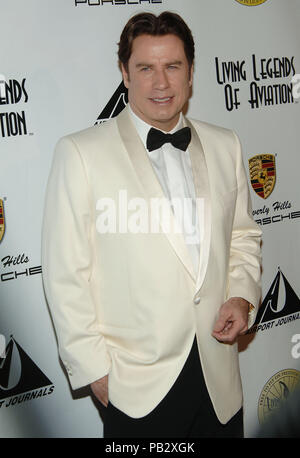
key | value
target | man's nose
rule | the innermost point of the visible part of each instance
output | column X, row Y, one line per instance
column 161, row 80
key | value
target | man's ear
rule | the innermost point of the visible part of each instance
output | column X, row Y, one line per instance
column 191, row 75
column 125, row 75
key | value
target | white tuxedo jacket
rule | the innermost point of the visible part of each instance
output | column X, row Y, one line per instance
column 129, row 304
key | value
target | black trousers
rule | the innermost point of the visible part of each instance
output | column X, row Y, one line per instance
column 186, row 411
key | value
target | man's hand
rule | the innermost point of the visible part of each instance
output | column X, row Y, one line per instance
column 232, row 320
column 100, row 389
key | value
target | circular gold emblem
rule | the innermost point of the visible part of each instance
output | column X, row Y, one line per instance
column 275, row 391
column 251, row 2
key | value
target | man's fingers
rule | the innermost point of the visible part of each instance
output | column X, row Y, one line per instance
column 227, row 330
column 230, row 332
column 232, row 320
column 104, row 402
column 221, row 324
column 100, row 390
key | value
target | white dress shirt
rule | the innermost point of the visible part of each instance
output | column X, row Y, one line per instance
column 174, row 172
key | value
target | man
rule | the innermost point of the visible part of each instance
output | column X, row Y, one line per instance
column 150, row 318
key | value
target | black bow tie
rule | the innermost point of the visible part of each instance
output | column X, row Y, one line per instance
column 179, row 139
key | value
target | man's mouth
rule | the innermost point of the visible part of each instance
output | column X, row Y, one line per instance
column 161, row 100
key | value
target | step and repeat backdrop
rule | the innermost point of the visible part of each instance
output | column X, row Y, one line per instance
column 59, row 74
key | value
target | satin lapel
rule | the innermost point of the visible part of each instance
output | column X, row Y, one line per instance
column 202, row 191
column 151, row 185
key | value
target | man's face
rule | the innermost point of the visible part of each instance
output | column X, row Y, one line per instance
column 159, row 79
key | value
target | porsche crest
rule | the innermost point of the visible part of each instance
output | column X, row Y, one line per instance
column 262, row 174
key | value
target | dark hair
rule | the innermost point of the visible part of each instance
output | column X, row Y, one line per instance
column 149, row 24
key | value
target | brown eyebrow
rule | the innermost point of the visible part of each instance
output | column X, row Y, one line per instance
column 144, row 64
column 176, row 62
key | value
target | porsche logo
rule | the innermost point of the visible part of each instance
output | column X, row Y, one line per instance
column 2, row 221
column 262, row 174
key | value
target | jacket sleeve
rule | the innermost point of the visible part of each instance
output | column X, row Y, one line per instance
column 67, row 262
column 245, row 249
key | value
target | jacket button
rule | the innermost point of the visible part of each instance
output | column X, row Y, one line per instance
column 197, row 300
column 69, row 370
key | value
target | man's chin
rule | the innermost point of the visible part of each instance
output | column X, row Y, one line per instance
column 165, row 120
